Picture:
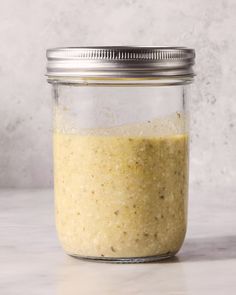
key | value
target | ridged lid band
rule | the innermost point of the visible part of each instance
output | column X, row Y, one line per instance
column 118, row 62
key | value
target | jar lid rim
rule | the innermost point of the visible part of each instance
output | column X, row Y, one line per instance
column 120, row 61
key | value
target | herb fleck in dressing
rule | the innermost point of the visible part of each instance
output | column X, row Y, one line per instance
column 120, row 196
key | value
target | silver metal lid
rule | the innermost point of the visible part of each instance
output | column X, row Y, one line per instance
column 119, row 61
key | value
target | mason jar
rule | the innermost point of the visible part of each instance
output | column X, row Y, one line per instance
column 121, row 136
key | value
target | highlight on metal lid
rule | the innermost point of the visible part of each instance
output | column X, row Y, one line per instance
column 120, row 61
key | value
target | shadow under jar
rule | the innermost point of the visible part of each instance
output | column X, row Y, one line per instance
column 121, row 150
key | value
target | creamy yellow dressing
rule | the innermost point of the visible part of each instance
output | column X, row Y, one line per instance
column 120, row 196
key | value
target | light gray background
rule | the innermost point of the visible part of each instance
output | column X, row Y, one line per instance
column 28, row 27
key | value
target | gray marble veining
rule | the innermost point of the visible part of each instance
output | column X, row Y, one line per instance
column 32, row 261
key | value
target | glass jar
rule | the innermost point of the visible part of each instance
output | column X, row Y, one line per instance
column 121, row 150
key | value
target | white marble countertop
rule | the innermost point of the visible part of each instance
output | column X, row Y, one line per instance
column 32, row 262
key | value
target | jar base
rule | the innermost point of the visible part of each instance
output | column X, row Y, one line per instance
column 126, row 260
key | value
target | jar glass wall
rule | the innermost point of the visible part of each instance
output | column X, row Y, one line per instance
column 121, row 169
